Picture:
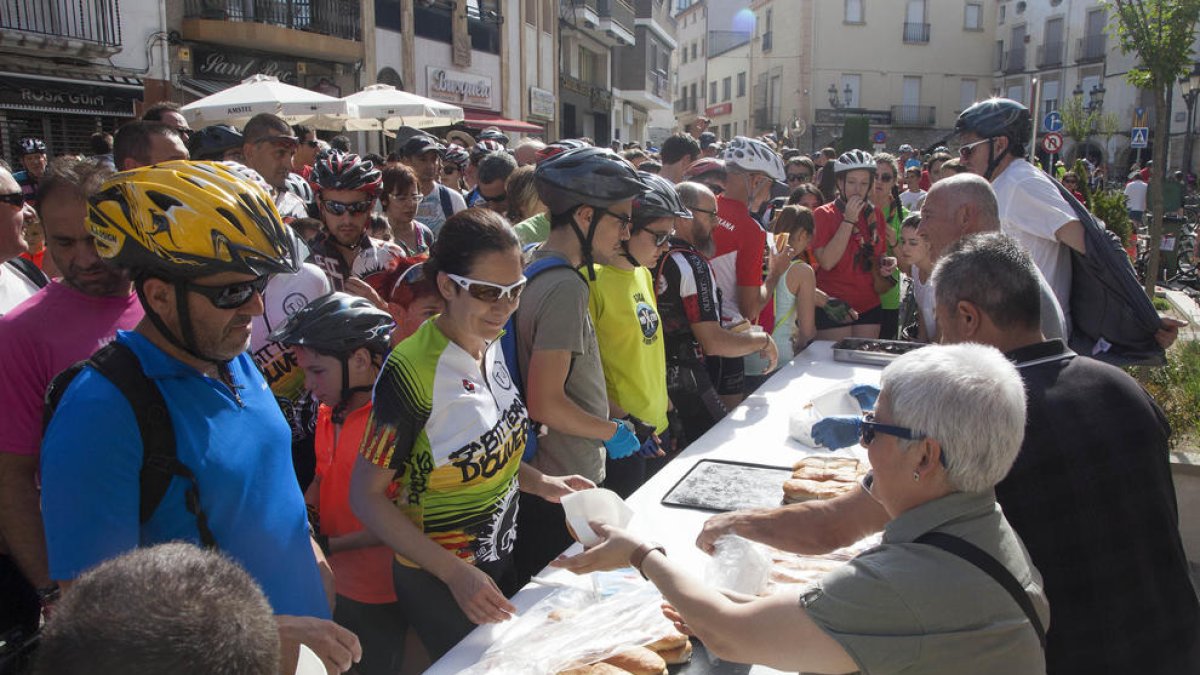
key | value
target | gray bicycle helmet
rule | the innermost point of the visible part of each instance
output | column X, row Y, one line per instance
column 997, row 118
column 30, row 146
column 337, row 324
column 660, row 201
column 212, row 142
column 493, row 134
column 853, row 160
column 345, row 171
column 751, row 154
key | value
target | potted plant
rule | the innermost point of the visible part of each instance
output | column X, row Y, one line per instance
column 1109, row 206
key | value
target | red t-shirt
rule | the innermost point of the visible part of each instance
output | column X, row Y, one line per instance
column 738, row 256
column 847, row 280
column 361, row 574
column 925, row 182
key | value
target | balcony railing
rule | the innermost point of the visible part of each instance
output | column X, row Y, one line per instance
column 1050, row 55
column 914, row 115
column 336, row 18
column 916, row 33
column 1014, row 60
column 600, row 97
column 97, row 21
column 1090, row 48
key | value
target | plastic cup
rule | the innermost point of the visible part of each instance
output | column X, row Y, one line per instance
column 597, row 504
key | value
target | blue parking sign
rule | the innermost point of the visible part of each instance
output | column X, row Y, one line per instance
column 1052, row 121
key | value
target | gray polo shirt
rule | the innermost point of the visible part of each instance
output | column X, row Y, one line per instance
column 911, row 608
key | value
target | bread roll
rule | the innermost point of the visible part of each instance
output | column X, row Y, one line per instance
column 577, row 670
column 781, row 240
column 822, row 462
column 672, row 641
column 609, row 669
column 639, row 661
column 681, row 654
column 800, row 489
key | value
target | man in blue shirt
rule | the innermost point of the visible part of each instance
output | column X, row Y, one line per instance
column 199, row 243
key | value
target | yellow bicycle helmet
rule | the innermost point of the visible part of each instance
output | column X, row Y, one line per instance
column 183, row 220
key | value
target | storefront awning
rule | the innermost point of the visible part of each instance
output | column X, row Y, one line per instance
column 68, row 96
column 483, row 118
column 201, row 88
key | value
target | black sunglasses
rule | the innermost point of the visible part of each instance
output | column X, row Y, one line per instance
column 716, row 190
column 16, row 199
column 230, row 296
column 338, row 208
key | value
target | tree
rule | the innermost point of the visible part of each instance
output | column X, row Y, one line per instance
column 1078, row 122
column 1160, row 32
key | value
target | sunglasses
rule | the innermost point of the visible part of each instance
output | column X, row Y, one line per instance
column 339, row 208
column 869, row 428
column 16, row 199
column 494, row 199
column 230, row 296
column 798, row 177
column 486, row 291
column 716, row 190
column 965, row 151
column 447, row 170
column 626, row 221
column 660, row 238
column 415, row 197
column 694, row 210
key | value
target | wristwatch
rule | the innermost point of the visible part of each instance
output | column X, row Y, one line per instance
column 639, row 555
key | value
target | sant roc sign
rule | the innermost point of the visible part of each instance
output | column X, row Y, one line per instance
column 458, row 87
column 234, row 67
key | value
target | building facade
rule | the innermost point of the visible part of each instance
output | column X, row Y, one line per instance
column 689, row 63
column 642, row 85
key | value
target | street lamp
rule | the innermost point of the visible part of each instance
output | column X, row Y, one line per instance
column 1191, row 89
column 1095, row 97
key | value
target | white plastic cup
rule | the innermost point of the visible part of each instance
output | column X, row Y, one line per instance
column 596, row 504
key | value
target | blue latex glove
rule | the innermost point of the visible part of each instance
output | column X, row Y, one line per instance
column 866, row 395
column 839, row 431
column 623, row 442
column 649, row 448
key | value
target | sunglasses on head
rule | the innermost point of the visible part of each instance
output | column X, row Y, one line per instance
column 488, row 291
column 16, row 199
column 339, row 208
column 230, row 296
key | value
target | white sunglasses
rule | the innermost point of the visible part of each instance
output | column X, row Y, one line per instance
column 488, row 291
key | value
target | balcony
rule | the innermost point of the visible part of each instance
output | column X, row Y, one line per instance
column 616, row 22
column 599, row 97
column 1090, row 48
column 1013, row 60
column 1050, row 55
column 916, row 33
column 79, row 29
column 651, row 93
column 685, row 105
column 336, row 18
column 656, row 16
column 914, row 115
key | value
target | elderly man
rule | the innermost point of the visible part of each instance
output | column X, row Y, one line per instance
column 1090, row 493
column 19, row 279
column 526, row 151
column 269, row 146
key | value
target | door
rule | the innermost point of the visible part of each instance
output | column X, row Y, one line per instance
column 1016, row 50
column 1052, row 46
column 910, row 108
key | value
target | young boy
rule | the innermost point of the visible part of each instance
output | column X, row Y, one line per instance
column 914, row 196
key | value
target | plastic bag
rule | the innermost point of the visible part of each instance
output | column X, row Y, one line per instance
column 835, row 400
column 739, row 565
column 574, row 627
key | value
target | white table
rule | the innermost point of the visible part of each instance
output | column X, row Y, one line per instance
column 754, row 432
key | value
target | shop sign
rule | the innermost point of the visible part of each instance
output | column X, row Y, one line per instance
column 234, row 67
column 840, row 115
column 33, row 94
column 542, row 103
column 455, row 86
column 719, row 109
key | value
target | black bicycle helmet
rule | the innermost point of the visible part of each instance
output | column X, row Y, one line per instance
column 337, row 324
column 345, row 171
column 596, row 177
column 660, row 201
column 492, row 134
column 997, row 118
column 30, row 146
column 212, row 142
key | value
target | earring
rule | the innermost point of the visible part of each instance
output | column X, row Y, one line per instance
column 916, row 477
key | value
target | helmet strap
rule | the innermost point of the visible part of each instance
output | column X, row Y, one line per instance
column 186, row 342
column 341, row 409
column 585, row 242
column 993, row 160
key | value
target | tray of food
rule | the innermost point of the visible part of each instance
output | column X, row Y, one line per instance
column 721, row 485
column 872, row 352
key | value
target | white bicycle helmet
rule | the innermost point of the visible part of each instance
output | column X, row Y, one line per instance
column 852, row 160
column 751, row 154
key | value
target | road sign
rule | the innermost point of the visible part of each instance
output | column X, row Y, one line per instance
column 1052, row 142
column 1139, row 137
column 1139, row 117
column 879, row 137
column 1052, row 121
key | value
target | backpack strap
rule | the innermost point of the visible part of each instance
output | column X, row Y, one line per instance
column 160, row 463
column 447, row 205
column 990, row 566
column 30, row 271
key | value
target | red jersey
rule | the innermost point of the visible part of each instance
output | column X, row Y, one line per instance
column 851, row 279
column 737, row 260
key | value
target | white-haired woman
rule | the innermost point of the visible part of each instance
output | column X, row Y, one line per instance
column 946, row 428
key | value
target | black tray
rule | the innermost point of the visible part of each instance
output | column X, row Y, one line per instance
column 720, row 485
column 851, row 350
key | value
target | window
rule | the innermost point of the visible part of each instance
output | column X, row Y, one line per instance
column 966, row 93
column 1003, row 11
column 683, row 57
column 854, row 11
column 741, row 91
column 693, row 51
column 973, row 16
column 549, row 16
column 712, row 91
column 727, row 89
column 695, row 97
column 387, row 14
column 1049, row 96
column 531, row 8
column 1016, row 92
column 854, row 82
column 725, row 131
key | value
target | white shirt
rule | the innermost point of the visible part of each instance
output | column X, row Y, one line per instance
column 1135, row 195
column 912, row 200
column 926, row 302
column 1032, row 211
column 15, row 288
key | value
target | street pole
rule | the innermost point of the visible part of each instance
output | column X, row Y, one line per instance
column 1032, row 152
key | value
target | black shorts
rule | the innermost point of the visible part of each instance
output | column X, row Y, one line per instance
column 873, row 316
column 727, row 374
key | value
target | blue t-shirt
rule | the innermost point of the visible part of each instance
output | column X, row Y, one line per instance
column 239, row 452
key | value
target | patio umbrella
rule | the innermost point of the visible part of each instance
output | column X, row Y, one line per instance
column 382, row 107
column 265, row 94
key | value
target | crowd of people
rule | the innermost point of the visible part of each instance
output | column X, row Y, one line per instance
column 369, row 381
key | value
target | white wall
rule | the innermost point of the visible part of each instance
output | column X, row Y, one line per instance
column 432, row 53
column 139, row 20
column 389, row 52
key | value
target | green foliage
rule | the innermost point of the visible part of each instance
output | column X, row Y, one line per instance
column 1078, row 123
column 1160, row 32
column 1109, row 206
column 1176, row 388
column 1079, row 168
column 1161, row 304
column 856, row 135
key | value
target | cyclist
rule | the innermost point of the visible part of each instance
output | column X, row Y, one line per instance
column 341, row 341
column 32, row 153
column 437, row 478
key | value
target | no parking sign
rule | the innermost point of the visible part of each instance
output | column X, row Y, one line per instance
column 1052, row 143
